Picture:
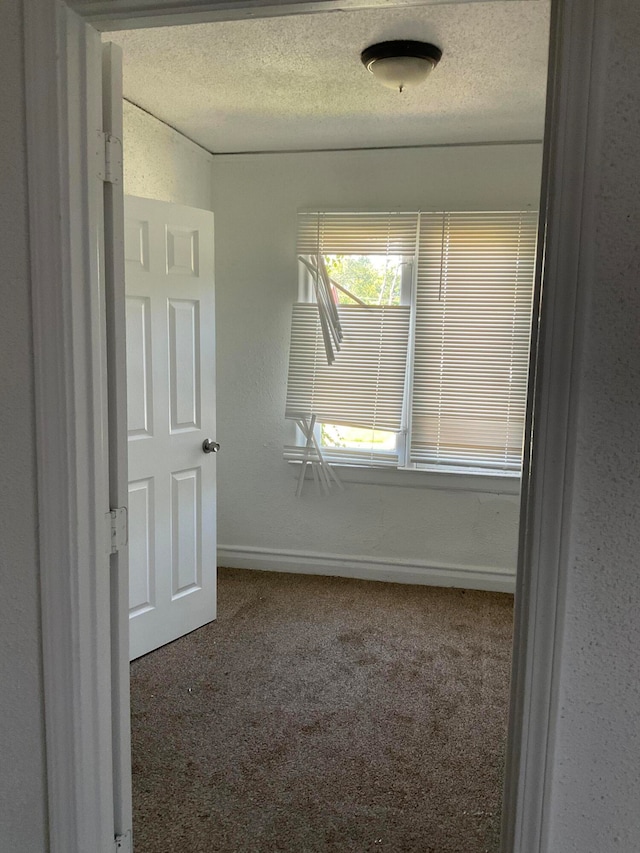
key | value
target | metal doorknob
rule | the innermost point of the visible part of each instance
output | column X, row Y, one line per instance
column 210, row 446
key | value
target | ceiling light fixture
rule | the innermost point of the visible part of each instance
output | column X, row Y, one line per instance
column 398, row 64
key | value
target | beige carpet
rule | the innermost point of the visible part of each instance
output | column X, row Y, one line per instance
column 321, row 714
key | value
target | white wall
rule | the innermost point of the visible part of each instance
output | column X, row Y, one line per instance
column 22, row 774
column 160, row 163
column 256, row 198
column 597, row 767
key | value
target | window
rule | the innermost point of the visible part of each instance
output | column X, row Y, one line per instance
column 430, row 363
column 372, row 280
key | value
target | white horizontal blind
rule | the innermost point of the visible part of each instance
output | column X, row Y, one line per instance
column 323, row 233
column 364, row 387
column 473, row 318
column 357, row 233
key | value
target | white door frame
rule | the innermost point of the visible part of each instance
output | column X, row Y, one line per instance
column 109, row 15
column 76, row 651
column 63, row 61
column 112, row 119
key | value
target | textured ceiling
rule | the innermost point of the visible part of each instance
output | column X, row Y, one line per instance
column 296, row 82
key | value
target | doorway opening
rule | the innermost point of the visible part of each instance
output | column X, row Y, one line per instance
column 465, row 501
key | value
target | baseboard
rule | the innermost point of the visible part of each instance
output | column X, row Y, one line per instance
column 367, row 568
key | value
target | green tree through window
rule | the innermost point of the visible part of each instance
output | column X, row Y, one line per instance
column 375, row 279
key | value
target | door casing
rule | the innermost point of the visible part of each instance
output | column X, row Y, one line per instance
column 76, row 650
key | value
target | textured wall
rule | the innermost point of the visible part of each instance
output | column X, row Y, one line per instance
column 160, row 163
column 256, row 198
column 22, row 774
column 597, row 768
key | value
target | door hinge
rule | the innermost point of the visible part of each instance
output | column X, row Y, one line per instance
column 118, row 528
column 111, row 171
column 122, row 843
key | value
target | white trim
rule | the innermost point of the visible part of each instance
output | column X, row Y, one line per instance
column 577, row 71
column 63, row 120
column 55, row 425
column 367, row 568
column 131, row 14
column 118, row 440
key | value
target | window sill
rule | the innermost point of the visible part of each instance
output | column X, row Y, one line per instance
column 412, row 478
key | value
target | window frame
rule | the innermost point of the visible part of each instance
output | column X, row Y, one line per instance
column 408, row 284
column 439, row 476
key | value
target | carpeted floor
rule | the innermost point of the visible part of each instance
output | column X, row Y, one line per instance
column 321, row 714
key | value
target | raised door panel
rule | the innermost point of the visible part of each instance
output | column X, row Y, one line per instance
column 136, row 243
column 186, row 532
column 183, row 257
column 141, row 547
column 184, row 363
column 139, row 385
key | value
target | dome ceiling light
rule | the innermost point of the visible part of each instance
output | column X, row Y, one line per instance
column 398, row 64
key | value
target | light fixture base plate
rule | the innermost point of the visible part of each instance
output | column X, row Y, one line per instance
column 400, row 48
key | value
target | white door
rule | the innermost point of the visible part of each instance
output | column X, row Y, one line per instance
column 171, row 414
